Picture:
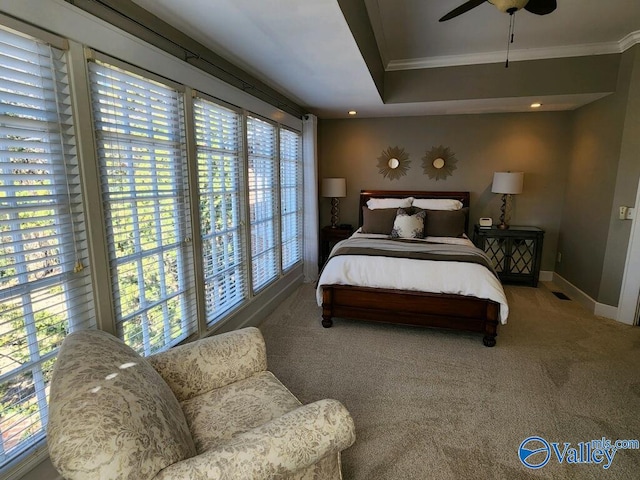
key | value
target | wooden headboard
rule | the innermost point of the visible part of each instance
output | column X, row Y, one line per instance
column 365, row 195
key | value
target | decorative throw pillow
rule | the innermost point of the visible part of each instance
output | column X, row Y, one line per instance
column 445, row 223
column 408, row 226
column 378, row 221
column 111, row 415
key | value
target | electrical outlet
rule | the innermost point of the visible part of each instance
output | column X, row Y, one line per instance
column 559, row 257
column 623, row 213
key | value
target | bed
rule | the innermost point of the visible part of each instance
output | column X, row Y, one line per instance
column 440, row 294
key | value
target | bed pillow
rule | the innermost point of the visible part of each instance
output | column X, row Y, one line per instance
column 377, row 203
column 408, row 226
column 437, row 203
column 445, row 223
column 378, row 221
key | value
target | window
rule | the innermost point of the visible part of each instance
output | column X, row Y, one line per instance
column 221, row 190
column 291, row 197
column 139, row 129
column 45, row 289
column 263, row 200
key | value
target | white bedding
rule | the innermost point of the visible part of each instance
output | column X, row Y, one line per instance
column 432, row 276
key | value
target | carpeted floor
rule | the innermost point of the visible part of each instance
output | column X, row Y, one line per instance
column 432, row 404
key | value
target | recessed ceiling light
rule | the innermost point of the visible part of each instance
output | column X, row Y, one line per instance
column 352, row 112
column 536, row 105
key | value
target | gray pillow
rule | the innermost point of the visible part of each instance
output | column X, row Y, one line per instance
column 378, row 220
column 445, row 223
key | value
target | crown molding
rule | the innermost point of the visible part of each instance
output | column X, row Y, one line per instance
column 629, row 41
column 517, row 55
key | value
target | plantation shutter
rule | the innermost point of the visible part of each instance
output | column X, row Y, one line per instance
column 291, row 200
column 139, row 128
column 45, row 289
column 263, row 201
column 221, row 186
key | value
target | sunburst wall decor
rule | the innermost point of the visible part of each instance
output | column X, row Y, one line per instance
column 439, row 162
column 393, row 163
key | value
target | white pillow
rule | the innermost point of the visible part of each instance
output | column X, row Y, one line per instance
column 437, row 203
column 378, row 203
column 408, row 226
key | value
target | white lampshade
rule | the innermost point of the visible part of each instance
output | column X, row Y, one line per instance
column 507, row 182
column 334, row 187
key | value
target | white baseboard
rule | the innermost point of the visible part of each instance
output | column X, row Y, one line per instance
column 597, row 308
column 546, row 276
column 607, row 311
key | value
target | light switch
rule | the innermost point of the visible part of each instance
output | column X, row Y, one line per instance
column 630, row 214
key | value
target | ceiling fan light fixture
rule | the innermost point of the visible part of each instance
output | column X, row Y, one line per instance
column 509, row 6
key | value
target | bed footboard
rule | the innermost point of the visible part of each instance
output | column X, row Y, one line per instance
column 405, row 307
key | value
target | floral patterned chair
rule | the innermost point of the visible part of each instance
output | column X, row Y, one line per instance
column 208, row 409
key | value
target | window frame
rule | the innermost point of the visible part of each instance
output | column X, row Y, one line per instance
column 299, row 203
column 183, row 230
column 218, row 317
column 275, row 213
column 69, row 224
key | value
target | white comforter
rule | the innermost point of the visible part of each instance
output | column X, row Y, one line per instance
column 459, row 278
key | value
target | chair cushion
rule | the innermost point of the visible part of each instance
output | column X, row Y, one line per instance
column 217, row 416
column 213, row 362
column 111, row 415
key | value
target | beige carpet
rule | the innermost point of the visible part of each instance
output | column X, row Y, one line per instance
column 436, row 404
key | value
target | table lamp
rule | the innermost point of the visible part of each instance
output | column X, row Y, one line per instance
column 334, row 188
column 507, row 183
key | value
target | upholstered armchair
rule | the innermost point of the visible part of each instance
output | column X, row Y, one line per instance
column 205, row 410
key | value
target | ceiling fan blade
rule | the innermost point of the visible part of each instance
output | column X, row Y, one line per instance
column 541, row 7
column 465, row 7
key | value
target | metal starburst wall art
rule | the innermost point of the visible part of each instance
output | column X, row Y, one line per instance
column 393, row 163
column 439, row 163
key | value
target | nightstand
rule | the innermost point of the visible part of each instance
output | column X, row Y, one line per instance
column 328, row 238
column 515, row 252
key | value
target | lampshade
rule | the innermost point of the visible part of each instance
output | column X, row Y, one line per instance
column 507, row 182
column 334, row 187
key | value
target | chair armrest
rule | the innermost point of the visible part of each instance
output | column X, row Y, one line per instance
column 296, row 440
column 212, row 362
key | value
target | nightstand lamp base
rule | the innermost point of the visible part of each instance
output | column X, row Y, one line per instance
column 334, row 212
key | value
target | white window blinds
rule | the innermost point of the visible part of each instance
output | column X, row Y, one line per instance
column 45, row 291
column 139, row 128
column 221, row 186
column 291, row 199
column 263, row 200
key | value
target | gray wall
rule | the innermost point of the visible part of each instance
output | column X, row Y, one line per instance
column 536, row 143
column 603, row 174
column 594, row 74
column 579, row 168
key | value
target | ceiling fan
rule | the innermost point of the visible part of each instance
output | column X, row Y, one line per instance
column 539, row 7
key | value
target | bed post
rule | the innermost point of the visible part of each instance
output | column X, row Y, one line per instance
column 327, row 307
column 491, row 324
